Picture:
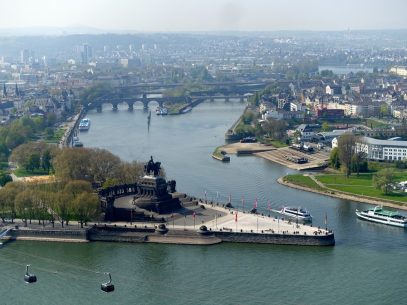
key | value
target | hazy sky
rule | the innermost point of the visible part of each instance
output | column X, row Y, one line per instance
column 206, row 15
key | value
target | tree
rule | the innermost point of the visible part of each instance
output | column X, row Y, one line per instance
column 76, row 187
column 93, row 165
column 384, row 110
column 46, row 161
column 275, row 129
column 34, row 162
column 5, row 178
column 86, row 207
column 384, row 179
column 62, row 207
column 359, row 162
column 24, row 205
column 22, row 153
column 346, row 150
column 130, row 172
column 103, row 164
column 7, row 197
column 248, row 117
column 51, row 119
column 334, row 159
column 49, row 132
column 325, row 126
column 72, row 164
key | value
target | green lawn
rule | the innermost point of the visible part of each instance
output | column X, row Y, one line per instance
column 303, row 181
column 22, row 172
column 217, row 152
column 372, row 123
column 275, row 143
column 362, row 185
column 56, row 137
column 362, row 179
column 375, row 166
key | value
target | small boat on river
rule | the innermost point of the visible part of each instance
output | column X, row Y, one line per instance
column 295, row 213
column 84, row 124
column 387, row 217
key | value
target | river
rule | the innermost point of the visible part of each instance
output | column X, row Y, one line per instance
column 366, row 266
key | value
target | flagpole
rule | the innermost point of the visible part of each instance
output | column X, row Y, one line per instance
column 257, row 217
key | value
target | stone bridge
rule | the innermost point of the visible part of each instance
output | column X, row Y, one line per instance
column 130, row 101
column 144, row 93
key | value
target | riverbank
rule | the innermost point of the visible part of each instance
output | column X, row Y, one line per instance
column 246, row 148
column 342, row 195
column 193, row 228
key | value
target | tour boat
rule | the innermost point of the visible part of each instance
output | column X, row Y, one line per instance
column 378, row 214
column 161, row 111
column 164, row 111
column 298, row 213
column 84, row 124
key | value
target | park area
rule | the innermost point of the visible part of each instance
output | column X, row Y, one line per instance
column 358, row 185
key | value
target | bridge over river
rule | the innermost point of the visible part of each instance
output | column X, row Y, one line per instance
column 147, row 93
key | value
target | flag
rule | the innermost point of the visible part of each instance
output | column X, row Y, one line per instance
column 236, row 216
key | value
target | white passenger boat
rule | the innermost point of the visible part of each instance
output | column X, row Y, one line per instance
column 297, row 213
column 379, row 215
column 161, row 111
column 84, row 124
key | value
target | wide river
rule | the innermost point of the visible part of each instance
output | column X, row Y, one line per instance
column 366, row 266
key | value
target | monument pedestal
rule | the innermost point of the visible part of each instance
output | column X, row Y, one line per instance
column 152, row 195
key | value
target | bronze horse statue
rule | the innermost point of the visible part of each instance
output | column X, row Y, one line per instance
column 152, row 167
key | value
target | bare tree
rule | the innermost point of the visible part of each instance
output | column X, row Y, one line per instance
column 346, row 150
column 85, row 207
column 384, row 179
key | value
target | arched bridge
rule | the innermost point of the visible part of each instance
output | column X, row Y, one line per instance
column 130, row 101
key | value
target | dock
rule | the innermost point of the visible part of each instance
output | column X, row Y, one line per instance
column 316, row 160
column 197, row 223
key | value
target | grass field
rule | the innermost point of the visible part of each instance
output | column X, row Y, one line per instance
column 303, row 181
column 362, row 185
column 22, row 172
column 372, row 123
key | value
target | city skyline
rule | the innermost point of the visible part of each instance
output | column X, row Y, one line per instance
column 198, row 15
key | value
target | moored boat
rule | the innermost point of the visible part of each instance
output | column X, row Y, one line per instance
column 380, row 215
column 297, row 213
column 161, row 111
column 84, row 124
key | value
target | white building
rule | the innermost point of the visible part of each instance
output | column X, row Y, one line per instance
column 382, row 150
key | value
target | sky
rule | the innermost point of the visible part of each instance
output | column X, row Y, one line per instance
column 205, row 15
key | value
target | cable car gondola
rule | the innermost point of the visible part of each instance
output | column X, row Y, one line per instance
column 28, row 277
column 107, row 287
